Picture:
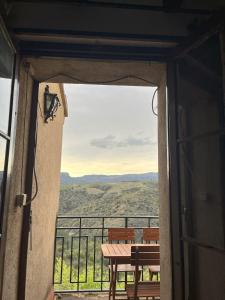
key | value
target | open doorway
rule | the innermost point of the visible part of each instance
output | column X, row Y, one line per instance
column 47, row 158
column 109, row 179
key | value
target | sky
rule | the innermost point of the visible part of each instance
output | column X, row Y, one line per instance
column 5, row 88
column 109, row 130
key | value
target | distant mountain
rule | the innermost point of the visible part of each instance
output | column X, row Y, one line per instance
column 67, row 179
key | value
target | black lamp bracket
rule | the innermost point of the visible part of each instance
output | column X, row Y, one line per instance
column 51, row 104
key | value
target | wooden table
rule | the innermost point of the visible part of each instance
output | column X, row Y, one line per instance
column 117, row 253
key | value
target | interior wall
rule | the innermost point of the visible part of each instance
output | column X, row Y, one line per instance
column 139, row 73
column 45, row 205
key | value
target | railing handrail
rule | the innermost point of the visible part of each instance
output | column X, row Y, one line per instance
column 105, row 217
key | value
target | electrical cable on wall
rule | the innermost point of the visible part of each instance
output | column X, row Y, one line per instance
column 99, row 82
column 108, row 82
column 35, row 151
column 153, row 97
column 24, row 128
column 34, row 172
column 27, row 67
column 41, row 112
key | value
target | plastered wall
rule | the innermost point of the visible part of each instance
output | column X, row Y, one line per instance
column 45, row 205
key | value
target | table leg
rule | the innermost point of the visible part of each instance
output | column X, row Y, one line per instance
column 114, row 281
column 111, row 279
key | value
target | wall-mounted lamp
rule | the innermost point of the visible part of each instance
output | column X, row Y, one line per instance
column 51, row 104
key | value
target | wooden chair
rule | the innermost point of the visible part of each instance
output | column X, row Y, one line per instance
column 121, row 234
column 152, row 235
column 143, row 256
column 116, row 235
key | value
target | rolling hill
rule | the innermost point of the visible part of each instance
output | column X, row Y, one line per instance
column 109, row 199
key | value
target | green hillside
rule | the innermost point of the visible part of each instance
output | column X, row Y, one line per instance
column 110, row 199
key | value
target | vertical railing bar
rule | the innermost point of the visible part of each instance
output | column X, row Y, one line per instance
column 142, row 271
column 103, row 225
column 62, row 258
column 71, row 259
column 94, row 259
column 54, row 261
column 142, row 241
column 78, row 268
column 86, row 269
column 61, row 267
column 125, row 273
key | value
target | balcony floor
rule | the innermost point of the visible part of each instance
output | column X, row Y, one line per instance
column 84, row 296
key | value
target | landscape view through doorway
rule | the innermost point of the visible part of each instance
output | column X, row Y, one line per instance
column 109, row 177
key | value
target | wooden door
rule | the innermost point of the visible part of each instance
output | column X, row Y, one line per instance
column 197, row 170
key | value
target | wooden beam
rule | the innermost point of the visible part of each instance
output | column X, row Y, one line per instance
column 172, row 4
column 202, row 34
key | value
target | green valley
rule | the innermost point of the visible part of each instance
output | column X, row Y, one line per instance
column 110, row 199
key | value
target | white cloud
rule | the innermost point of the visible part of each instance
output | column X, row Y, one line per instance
column 110, row 141
column 105, row 142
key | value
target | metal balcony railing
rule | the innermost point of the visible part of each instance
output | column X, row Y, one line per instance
column 78, row 262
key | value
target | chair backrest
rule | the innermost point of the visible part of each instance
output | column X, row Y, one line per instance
column 151, row 234
column 145, row 255
column 121, row 234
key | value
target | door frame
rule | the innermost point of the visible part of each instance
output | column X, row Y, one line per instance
column 10, row 146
